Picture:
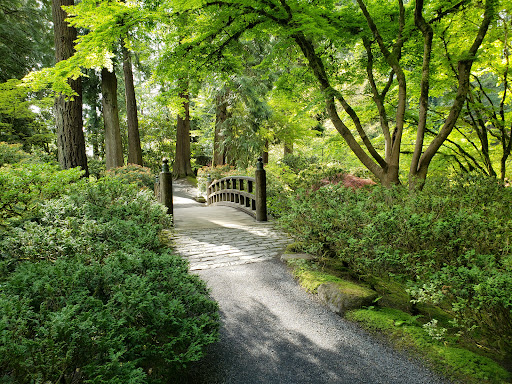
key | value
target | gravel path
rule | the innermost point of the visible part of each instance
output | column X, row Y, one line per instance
column 272, row 331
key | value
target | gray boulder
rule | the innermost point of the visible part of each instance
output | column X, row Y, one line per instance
column 344, row 296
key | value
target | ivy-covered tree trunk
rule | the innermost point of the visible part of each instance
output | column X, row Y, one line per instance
column 68, row 113
column 113, row 145
column 182, row 166
column 134, row 148
column 221, row 115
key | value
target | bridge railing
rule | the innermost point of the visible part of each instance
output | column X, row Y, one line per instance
column 248, row 194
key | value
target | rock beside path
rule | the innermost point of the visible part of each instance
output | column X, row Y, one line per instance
column 342, row 297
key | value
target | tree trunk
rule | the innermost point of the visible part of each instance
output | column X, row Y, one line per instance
column 418, row 175
column 134, row 149
column 95, row 132
column 68, row 113
column 288, row 148
column 182, row 167
column 264, row 155
column 221, row 115
column 428, row 36
column 113, row 145
column 507, row 149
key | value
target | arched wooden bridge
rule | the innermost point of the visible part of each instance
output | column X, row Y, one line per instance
column 218, row 235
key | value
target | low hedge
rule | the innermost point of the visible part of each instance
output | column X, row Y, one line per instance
column 87, row 293
column 450, row 243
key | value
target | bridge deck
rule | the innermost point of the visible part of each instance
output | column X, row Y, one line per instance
column 218, row 236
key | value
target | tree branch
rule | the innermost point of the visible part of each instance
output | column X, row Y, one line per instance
column 462, row 152
column 378, row 98
column 316, row 65
column 428, row 35
column 464, row 70
column 455, row 8
column 393, row 61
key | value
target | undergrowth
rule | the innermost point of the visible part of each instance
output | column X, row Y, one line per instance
column 453, row 362
column 87, row 291
column 449, row 244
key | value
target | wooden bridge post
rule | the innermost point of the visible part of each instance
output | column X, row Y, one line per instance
column 208, row 190
column 261, row 191
column 165, row 181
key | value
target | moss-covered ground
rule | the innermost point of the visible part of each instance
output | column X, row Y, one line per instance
column 422, row 334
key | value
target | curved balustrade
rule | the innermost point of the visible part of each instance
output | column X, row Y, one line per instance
column 248, row 194
column 234, row 191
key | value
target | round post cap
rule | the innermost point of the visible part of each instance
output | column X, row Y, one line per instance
column 165, row 164
column 259, row 164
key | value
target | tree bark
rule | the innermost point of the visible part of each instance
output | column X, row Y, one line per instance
column 221, row 115
column 182, row 167
column 288, row 148
column 68, row 113
column 134, row 148
column 113, row 145
column 264, row 155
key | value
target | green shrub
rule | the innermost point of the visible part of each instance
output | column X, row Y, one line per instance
column 133, row 173
column 96, row 167
column 298, row 163
column 136, row 317
column 94, row 219
column 88, row 294
column 23, row 187
column 450, row 241
column 12, row 153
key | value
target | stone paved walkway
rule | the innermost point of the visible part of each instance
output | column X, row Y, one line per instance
column 219, row 236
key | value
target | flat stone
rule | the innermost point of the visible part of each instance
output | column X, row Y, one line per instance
column 295, row 256
column 342, row 297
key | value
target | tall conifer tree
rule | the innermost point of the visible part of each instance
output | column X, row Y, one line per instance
column 68, row 111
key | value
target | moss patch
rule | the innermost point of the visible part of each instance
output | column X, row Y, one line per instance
column 406, row 332
column 311, row 276
column 392, row 293
column 311, row 279
column 192, row 180
column 354, row 289
column 295, row 247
